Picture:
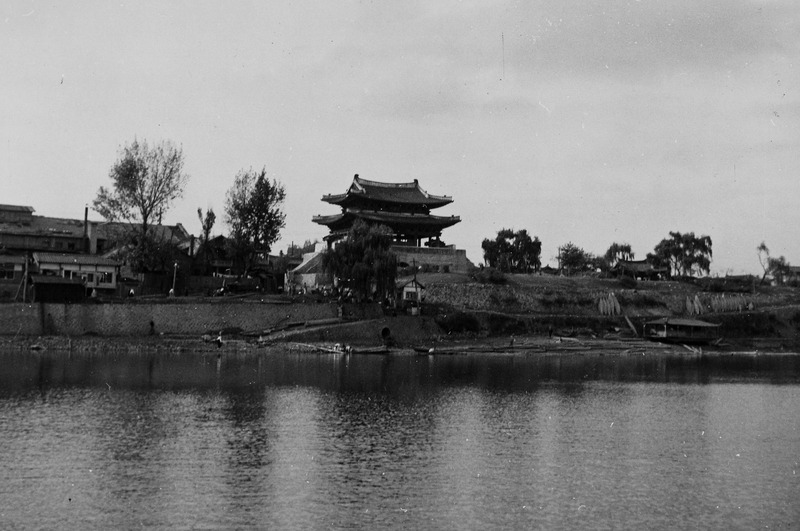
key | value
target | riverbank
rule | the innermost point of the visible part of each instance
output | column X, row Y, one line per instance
column 405, row 344
column 457, row 309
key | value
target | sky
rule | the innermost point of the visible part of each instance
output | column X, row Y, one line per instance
column 582, row 121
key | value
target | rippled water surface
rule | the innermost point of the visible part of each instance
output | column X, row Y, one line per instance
column 283, row 440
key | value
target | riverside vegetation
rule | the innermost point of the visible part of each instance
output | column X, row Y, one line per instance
column 495, row 305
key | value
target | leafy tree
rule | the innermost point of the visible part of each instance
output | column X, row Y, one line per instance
column 145, row 182
column 763, row 258
column 596, row 262
column 573, row 259
column 253, row 215
column 514, row 252
column 364, row 261
column 684, row 254
column 207, row 223
column 779, row 268
column 617, row 252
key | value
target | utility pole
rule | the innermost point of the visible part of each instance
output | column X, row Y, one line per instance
column 25, row 280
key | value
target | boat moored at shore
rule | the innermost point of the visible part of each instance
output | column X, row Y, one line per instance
column 680, row 330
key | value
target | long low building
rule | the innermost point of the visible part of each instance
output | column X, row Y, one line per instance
column 95, row 271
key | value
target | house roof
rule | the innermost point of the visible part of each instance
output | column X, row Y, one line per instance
column 11, row 259
column 78, row 259
column 642, row 266
column 16, row 208
column 312, row 265
column 110, row 230
column 44, row 226
column 691, row 323
column 635, row 265
column 362, row 190
column 402, row 283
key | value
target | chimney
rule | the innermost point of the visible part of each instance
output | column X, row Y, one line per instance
column 86, row 243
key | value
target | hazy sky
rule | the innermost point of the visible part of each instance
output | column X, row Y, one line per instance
column 581, row 121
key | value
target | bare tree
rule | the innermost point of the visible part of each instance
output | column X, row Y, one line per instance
column 145, row 182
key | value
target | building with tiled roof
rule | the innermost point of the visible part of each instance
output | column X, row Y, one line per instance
column 406, row 209
column 22, row 232
column 403, row 207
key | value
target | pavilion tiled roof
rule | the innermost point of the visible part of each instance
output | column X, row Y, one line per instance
column 363, row 190
column 386, row 218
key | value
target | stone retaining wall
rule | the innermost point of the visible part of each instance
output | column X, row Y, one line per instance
column 134, row 319
column 453, row 260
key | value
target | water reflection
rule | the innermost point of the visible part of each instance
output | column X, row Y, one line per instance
column 400, row 375
column 294, row 440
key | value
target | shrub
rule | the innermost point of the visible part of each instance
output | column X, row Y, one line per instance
column 458, row 322
column 501, row 324
column 490, row 275
column 628, row 282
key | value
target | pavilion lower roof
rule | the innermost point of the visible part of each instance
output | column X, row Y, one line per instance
column 398, row 222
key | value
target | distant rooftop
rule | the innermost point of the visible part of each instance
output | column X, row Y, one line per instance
column 16, row 208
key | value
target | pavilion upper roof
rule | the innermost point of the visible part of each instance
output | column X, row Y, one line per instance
column 363, row 192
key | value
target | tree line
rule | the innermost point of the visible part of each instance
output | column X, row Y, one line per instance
column 145, row 181
column 681, row 254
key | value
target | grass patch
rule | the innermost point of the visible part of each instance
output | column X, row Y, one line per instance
column 458, row 322
column 490, row 275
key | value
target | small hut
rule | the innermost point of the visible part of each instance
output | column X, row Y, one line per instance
column 672, row 330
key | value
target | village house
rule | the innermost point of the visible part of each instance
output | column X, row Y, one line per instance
column 410, row 293
column 310, row 273
column 640, row 270
column 21, row 231
column 11, row 267
column 67, row 247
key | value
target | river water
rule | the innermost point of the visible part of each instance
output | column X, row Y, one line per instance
column 275, row 439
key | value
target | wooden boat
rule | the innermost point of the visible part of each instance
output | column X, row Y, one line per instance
column 681, row 331
column 370, row 350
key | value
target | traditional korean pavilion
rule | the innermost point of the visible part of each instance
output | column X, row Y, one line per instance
column 403, row 207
